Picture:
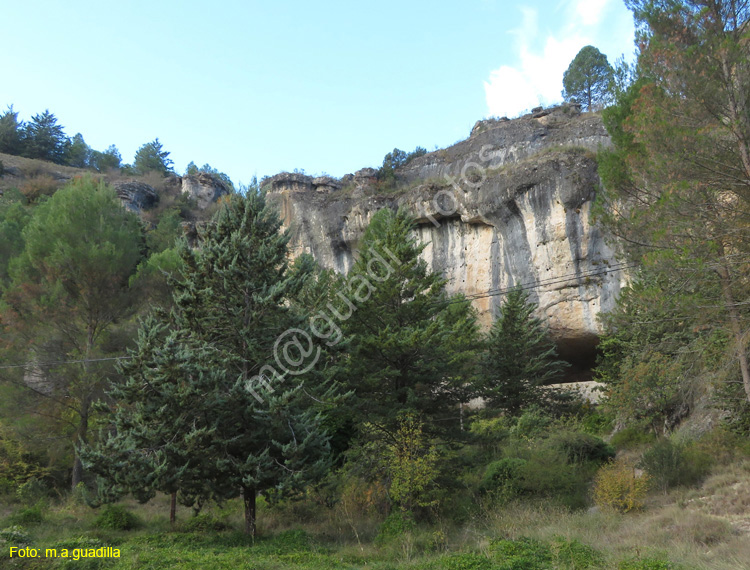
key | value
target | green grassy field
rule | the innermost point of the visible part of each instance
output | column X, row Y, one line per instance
column 705, row 527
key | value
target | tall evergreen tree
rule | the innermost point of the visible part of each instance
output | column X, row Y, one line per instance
column 151, row 157
column 164, row 426
column 588, row 79
column 234, row 296
column 11, row 132
column 411, row 346
column 45, row 139
column 520, row 360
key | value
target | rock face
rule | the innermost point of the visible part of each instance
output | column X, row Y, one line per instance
column 508, row 206
column 136, row 196
column 203, row 188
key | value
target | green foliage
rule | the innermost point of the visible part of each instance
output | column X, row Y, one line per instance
column 151, row 157
column 45, row 139
column 11, row 132
column 574, row 555
column 581, row 447
column 203, row 523
column 503, row 477
column 465, row 561
column 394, row 160
column 69, row 288
column 13, row 218
column 105, row 161
column 17, row 466
column 520, row 359
column 116, row 517
column 670, row 465
column 521, row 554
column 589, row 78
column 78, row 153
column 27, row 516
column 632, row 437
column 398, row 524
column 410, row 346
column 14, row 536
column 412, row 466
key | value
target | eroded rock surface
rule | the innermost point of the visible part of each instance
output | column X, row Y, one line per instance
column 508, row 206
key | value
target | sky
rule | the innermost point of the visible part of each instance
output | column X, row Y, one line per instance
column 256, row 88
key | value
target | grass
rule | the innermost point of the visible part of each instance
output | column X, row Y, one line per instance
column 693, row 529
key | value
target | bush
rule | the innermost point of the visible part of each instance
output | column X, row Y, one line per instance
column 396, row 525
column 465, row 561
column 39, row 186
column 203, row 523
column 573, row 555
column 116, row 517
column 581, row 447
column 14, row 536
column 632, row 437
column 521, row 554
column 670, row 465
column 503, row 475
column 531, row 424
column 27, row 517
column 617, row 486
column 2, row 168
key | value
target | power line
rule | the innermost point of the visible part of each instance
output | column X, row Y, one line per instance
column 490, row 293
column 59, row 362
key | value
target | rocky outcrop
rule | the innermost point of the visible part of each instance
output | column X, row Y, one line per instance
column 508, row 206
column 204, row 188
column 136, row 196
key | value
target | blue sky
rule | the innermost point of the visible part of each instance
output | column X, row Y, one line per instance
column 254, row 88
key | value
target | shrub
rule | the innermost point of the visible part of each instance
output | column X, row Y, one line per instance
column 38, row 186
column 27, row 517
column 521, row 554
column 203, row 523
column 396, row 525
column 530, row 424
column 580, row 447
column 670, row 465
column 632, row 437
column 116, row 517
column 617, row 486
column 14, row 536
column 2, row 168
column 503, row 475
column 465, row 561
column 573, row 555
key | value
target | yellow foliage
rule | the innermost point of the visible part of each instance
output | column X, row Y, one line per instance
column 618, row 485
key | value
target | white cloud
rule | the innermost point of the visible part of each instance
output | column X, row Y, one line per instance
column 535, row 78
column 590, row 12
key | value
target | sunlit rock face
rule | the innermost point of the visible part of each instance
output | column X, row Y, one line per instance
column 508, row 206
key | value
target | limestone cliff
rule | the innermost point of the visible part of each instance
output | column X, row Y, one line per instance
column 509, row 205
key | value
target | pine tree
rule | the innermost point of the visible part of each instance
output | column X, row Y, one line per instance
column 520, row 359
column 678, row 178
column 45, row 139
column 163, row 430
column 410, row 345
column 588, row 79
column 234, row 296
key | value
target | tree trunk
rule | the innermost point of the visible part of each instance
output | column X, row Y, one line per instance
column 248, row 496
column 173, row 509
column 83, row 429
